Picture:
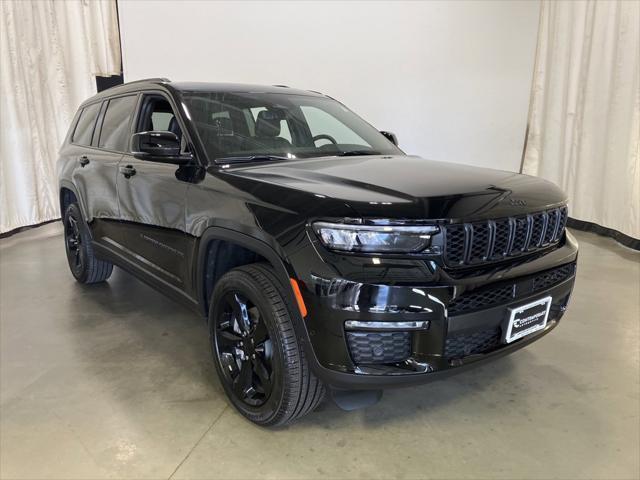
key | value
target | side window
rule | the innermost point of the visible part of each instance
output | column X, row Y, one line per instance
column 255, row 111
column 161, row 121
column 223, row 114
column 157, row 115
column 323, row 123
column 115, row 126
column 84, row 128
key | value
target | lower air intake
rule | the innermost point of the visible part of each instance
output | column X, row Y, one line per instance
column 459, row 346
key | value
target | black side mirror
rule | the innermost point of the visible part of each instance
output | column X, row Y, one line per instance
column 158, row 147
column 391, row 137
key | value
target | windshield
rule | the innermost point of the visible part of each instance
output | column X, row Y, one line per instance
column 245, row 125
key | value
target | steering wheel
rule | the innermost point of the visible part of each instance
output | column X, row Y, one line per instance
column 324, row 136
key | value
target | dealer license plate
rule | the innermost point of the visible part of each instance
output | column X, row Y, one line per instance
column 527, row 319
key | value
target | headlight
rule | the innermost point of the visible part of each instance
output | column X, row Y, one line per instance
column 374, row 238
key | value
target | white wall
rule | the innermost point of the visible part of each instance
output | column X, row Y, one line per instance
column 451, row 79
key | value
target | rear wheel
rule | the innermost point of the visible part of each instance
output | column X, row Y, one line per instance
column 84, row 265
column 259, row 360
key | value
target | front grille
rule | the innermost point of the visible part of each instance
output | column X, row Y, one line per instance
column 368, row 348
column 494, row 240
column 478, row 249
column 455, row 243
column 551, row 277
column 537, row 230
column 501, row 239
column 458, row 346
column 496, row 295
column 520, row 236
column 481, row 299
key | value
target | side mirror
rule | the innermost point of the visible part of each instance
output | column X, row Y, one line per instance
column 158, row 147
column 391, row 137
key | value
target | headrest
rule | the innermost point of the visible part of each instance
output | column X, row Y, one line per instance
column 223, row 126
column 268, row 123
column 162, row 105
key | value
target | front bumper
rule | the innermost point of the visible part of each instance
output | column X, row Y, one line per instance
column 466, row 318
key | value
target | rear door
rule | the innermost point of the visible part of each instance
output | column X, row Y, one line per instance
column 94, row 175
column 152, row 197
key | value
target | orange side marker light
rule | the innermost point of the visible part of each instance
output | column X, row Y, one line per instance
column 298, row 295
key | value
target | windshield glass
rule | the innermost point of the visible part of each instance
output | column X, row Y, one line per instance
column 234, row 125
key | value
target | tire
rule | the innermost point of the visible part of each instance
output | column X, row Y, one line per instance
column 84, row 265
column 281, row 386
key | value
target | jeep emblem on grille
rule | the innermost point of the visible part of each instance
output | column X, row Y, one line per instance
column 517, row 203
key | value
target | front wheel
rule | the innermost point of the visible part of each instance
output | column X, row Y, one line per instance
column 259, row 360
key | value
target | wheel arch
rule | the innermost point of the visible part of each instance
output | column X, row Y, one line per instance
column 283, row 270
column 234, row 249
column 67, row 194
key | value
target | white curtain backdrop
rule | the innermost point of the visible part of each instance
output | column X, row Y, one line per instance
column 50, row 52
column 584, row 125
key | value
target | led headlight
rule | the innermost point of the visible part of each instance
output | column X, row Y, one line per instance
column 374, row 238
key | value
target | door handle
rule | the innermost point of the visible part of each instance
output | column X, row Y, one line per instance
column 127, row 171
column 84, row 161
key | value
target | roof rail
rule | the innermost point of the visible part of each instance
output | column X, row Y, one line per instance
column 282, row 86
column 154, row 79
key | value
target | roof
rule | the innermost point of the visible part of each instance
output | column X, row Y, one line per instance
column 199, row 87
column 238, row 88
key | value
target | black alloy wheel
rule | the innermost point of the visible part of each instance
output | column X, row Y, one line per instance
column 73, row 243
column 244, row 349
column 259, row 359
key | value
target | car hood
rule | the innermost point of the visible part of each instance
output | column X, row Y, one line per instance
column 409, row 187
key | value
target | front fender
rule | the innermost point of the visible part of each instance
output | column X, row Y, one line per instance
column 283, row 269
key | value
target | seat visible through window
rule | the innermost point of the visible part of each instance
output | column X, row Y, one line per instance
column 268, row 125
column 157, row 115
column 174, row 127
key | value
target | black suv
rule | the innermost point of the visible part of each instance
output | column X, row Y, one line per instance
column 323, row 257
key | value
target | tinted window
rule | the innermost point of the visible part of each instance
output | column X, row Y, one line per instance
column 115, row 131
column 84, row 128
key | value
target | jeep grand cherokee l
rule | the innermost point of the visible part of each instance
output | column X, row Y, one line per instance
column 322, row 256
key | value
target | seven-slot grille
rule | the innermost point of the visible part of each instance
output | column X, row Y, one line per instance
column 495, row 240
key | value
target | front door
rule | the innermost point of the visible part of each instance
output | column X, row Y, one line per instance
column 152, row 204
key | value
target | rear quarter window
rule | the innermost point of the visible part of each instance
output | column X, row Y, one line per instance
column 84, row 128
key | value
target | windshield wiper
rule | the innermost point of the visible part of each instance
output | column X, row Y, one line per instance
column 354, row 153
column 248, row 159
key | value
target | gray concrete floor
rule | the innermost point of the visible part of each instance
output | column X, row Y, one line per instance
column 116, row 381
